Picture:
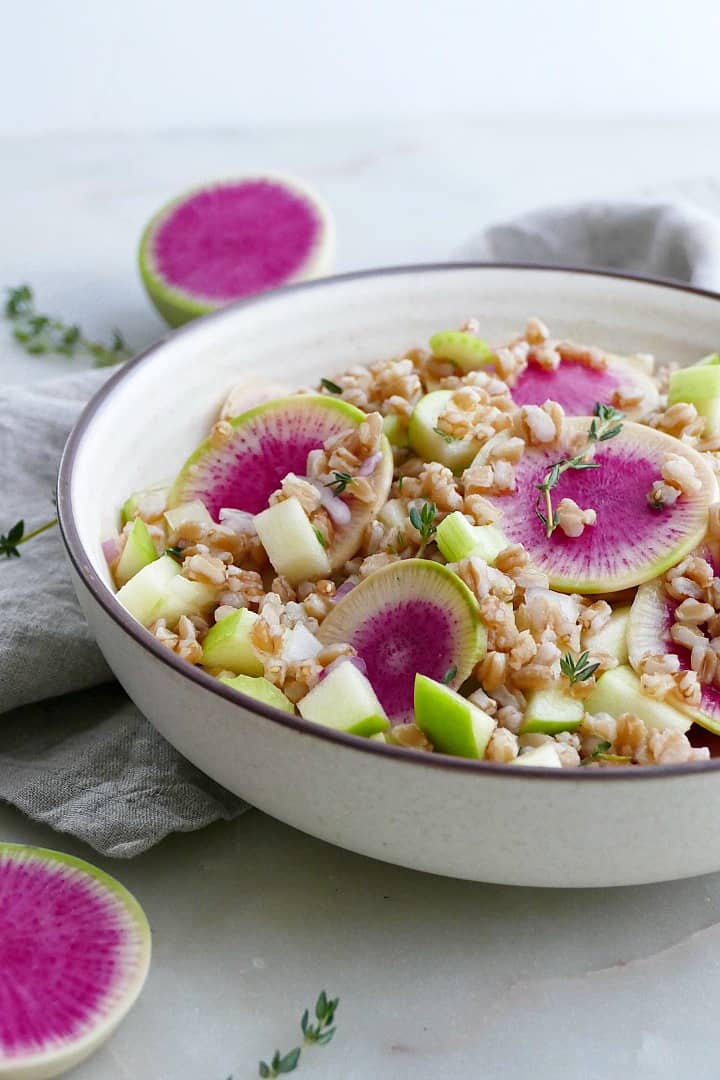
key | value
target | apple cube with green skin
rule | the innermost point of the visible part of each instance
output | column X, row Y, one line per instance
column 612, row 639
column 291, row 543
column 552, row 710
column 157, row 495
column 427, row 441
column 699, row 386
column 262, row 690
column 465, row 350
column 159, row 591
column 458, row 539
column 189, row 511
column 395, row 430
column 452, row 723
column 138, row 552
column 345, row 701
column 619, row 691
column 228, row 644
column 545, row 756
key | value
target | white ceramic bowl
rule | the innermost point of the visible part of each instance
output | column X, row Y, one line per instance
column 446, row 815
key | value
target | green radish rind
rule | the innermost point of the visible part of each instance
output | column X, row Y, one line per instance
column 648, row 633
column 44, row 1064
column 178, row 306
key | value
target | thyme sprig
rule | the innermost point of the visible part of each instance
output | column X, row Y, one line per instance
column 10, row 541
column 578, row 669
column 45, row 334
column 314, row 1034
column 605, row 425
column 330, row 386
column 341, row 481
column 600, row 753
column 445, row 435
column 449, row 675
column 424, row 521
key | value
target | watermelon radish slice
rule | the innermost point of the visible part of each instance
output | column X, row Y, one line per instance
column 233, row 239
column 74, row 954
column 269, row 442
column 651, row 616
column 630, row 543
column 409, row 617
column 578, row 387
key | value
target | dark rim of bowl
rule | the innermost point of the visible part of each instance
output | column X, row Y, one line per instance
column 98, row 589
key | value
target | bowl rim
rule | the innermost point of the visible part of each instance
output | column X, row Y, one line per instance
column 106, row 600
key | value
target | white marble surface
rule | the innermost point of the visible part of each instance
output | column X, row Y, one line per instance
column 436, row 977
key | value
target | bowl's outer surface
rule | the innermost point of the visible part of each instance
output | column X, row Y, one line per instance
column 471, row 820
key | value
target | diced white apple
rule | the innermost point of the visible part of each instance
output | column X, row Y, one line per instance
column 291, row 543
column 300, row 645
column 138, row 552
column 545, row 756
column 552, row 710
column 143, row 593
column 189, row 511
column 612, row 639
column 394, row 514
column 345, row 701
column 620, row 691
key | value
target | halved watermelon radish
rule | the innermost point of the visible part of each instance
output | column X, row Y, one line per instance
column 269, row 442
column 651, row 617
column 577, row 387
column 232, row 239
column 630, row 543
column 74, row 954
column 409, row 617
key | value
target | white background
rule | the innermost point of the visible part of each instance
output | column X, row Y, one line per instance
column 153, row 64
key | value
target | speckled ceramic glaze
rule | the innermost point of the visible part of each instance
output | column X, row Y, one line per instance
column 468, row 819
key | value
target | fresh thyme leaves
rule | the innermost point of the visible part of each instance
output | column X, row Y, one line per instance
column 605, row 425
column 600, row 753
column 44, row 334
column 577, row 669
column 175, row 553
column 313, row 1034
column 331, row 386
column 341, row 481
column 423, row 520
column 322, row 539
column 445, row 435
column 449, row 675
column 401, row 480
column 10, row 542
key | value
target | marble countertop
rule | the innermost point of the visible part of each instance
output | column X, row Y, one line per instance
column 251, row 919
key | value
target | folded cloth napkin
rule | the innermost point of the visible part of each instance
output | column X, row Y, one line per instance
column 89, row 764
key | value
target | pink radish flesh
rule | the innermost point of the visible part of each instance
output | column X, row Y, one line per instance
column 236, row 239
column 575, row 386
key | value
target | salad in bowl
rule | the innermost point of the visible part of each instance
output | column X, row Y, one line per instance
column 507, row 552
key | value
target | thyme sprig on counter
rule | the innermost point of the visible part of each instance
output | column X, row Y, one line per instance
column 314, row 1034
column 11, row 541
column 40, row 334
column 605, row 425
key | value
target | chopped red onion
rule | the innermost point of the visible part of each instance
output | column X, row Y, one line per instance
column 344, row 589
column 338, row 510
column 238, row 520
column 111, row 549
column 368, row 466
column 356, row 661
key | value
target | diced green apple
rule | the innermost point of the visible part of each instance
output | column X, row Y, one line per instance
column 430, row 443
column 150, row 499
column 544, row 756
column 291, row 543
column 700, row 386
column 552, row 710
column 458, row 539
column 189, row 511
column 138, row 552
column 262, row 690
column 228, row 644
column 144, row 592
column 612, row 639
column 345, row 701
column 462, row 348
column 452, row 723
column 619, row 691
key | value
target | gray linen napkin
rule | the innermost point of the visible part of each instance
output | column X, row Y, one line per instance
column 89, row 764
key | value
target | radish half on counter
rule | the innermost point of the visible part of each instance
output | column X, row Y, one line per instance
column 74, row 955
column 232, row 239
